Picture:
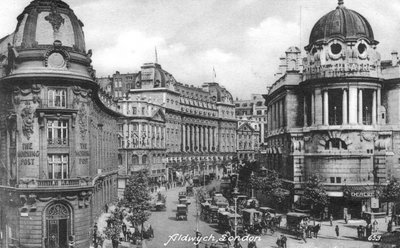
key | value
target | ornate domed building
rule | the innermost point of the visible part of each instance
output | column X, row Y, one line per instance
column 337, row 118
column 58, row 141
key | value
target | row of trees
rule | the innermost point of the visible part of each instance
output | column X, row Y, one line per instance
column 134, row 206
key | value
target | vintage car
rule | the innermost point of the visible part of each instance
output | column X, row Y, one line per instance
column 181, row 212
column 293, row 220
column 182, row 200
column 205, row 208
column 252, row 219
column 223, row 221
column 388, row 239
column 220, row 201
column 160, row 202
column 181, row 194
column 213, row 214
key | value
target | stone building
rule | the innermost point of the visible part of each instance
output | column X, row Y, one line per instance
column 58, row 140
column 254, row 112
column 194, row 126
column 247, row 140
column 142, row 139
column 337, row 118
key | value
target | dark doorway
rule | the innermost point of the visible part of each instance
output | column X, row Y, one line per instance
column 58, row 226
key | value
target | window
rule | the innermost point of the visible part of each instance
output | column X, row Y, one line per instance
column 58, row 167
column 336, row 48
column 57, row 132
column 57, row 98
column 134, row 110
column 338, row 180
column 259, row 112
column 135, row 159
column 332, row 179
column 335, row 144
column 144, row 159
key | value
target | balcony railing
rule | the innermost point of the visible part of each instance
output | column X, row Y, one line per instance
column 58, row 142
column 48, row 183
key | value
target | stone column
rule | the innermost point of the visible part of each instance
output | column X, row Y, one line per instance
column 312, row 108
column 192, row 133
column 183, row 137
column 352, row 105
column 304, row 111
column 318, row 107
column 374, row 107
column 360, row 107
column 198, row 138
column 201, row 139
column 216, row 130
column 206, row 145
column 326, row 108
column 344, row 107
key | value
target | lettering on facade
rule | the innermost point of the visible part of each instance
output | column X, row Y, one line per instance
column 362, row 194
column 28, row 154
column 82, row 154
column 27, row 146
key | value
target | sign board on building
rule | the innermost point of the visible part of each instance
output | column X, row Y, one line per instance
column 374, row 202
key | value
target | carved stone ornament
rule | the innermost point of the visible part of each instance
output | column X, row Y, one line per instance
column 368, row 136
column 27, row 121
column 55, row 18
column 57, row 57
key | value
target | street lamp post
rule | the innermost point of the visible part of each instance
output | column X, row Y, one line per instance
column 235, row 194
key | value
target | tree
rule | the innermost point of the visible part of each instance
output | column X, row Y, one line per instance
column 114, row 226
column 137, row 198
column 271, row 185
column 315, row 195
column 391, row 193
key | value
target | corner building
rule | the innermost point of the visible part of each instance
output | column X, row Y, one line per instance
column 58, row 141
column 337, row 118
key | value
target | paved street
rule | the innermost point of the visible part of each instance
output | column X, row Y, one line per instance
column 165, row 225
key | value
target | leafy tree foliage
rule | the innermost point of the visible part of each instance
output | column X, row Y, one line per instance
column 137, row 198
column 392, row 190
column 315, row 195
column 271, row 185
column 114, row 226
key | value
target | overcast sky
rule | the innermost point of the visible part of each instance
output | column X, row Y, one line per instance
column 241, row 39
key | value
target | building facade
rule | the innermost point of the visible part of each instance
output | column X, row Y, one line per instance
column 58, row 146
column 194, row 126
column 247, row 140
column 338, row 117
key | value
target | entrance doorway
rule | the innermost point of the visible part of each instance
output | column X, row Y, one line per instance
column 58, row 223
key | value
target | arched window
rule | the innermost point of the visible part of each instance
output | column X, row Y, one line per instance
column 335, row 144
column 119, row 159
column 135, row 159
column 144, row 159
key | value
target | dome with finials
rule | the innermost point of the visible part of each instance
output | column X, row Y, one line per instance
column 342, row 23
column 341, row 44
column 48, row 40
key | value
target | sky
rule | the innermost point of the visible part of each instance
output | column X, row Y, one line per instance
column 241, row 39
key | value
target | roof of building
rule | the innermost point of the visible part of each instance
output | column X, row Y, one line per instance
column 341, row 23
column 40, row 18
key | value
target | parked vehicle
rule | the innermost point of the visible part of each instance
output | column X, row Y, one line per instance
column 181, row 212
column 223, row 221
column 294, row 220
column 252, row 220
column 183, row 200
column 213, row 214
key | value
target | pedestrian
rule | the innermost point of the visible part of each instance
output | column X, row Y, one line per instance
column 375, row 226
column 124, row 230
column 237, row 244
column 304, row 234
column 95, row 235
column 331, row 220
column 390, row 226
column 283, row 241
column 345, row 218
column 359, row 230
column 106, row 208
column 316, row 230
column 279, row 242
column 337, row 230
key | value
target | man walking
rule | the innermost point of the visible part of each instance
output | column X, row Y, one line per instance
column 337, row 231
column 331, row 220
column 283, row 241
